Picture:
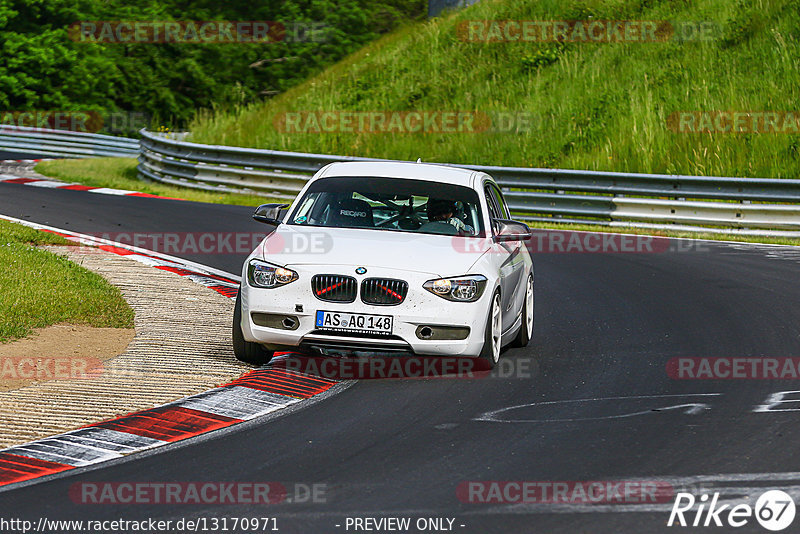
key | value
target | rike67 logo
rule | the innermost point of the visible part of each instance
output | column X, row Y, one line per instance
column 774, row 510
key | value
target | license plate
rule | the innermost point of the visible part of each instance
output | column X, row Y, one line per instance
column 354, row 322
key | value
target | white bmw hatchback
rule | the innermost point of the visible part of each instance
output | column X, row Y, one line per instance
column 388, row 257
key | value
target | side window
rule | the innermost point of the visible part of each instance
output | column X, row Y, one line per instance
column 491, row 202
column 501, row 202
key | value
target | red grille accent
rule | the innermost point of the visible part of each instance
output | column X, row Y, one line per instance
column 334, row 287
column 383, row 291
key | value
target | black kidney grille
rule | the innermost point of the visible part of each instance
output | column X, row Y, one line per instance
column 383, row 291
column 334, row 287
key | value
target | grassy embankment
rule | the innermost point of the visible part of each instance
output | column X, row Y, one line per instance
column 596, row 106
column 38, row 288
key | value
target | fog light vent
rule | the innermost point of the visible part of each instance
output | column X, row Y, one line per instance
column 442, row 333
column 276, row 320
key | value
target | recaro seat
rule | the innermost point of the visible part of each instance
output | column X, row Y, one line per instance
column 351, row 212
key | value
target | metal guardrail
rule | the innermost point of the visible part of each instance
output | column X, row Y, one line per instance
column 755, row 206
column 65, row 144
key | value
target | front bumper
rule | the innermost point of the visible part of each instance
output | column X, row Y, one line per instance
column 420, row 309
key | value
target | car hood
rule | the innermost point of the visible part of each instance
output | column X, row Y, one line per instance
column 437, row 255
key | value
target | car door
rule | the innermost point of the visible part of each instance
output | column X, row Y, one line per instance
column 518, row 260
column 510, row 261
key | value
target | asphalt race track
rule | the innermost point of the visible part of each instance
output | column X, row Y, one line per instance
column 600, row 405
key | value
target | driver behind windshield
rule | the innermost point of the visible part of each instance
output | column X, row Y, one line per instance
column 440, row 210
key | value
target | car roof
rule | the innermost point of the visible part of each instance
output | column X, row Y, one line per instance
column 399, row 169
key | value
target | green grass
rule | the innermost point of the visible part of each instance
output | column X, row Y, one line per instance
column 596, row 106
column 38, row 288
column 120, row 173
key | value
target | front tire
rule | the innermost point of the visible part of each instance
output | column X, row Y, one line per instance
column 525, row 333
column 492, row 339
column 245, row 351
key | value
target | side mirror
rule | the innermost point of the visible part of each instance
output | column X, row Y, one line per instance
column 508, row 230
column 269, row 213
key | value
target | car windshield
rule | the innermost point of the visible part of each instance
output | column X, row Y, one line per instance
column 395, row 204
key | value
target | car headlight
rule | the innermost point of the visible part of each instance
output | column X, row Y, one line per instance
column 459, row 289
column 265, row 275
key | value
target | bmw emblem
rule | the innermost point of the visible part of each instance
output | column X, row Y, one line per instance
column 361, row 270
